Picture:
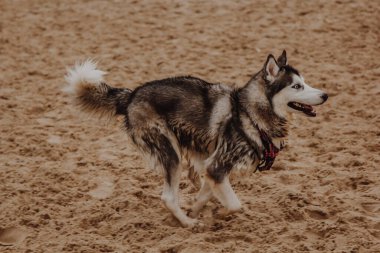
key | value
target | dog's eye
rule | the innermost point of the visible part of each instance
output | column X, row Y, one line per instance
column 296, row 86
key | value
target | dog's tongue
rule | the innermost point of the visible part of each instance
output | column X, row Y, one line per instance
column 309, row 110
column 308, row 107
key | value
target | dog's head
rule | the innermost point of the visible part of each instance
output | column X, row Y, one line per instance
column 286, row 88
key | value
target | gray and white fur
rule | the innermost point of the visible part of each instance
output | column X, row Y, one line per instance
column 214, row 127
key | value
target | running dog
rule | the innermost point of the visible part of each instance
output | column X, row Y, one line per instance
column 216, row 128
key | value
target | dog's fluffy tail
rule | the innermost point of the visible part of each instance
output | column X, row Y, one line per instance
column 90, row 92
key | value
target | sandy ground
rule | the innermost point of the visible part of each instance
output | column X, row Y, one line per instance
column 71, row 184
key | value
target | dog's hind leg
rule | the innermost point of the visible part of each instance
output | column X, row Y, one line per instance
column 170, row 197
column 203, row 196
column 225, row 194
column 165, row 152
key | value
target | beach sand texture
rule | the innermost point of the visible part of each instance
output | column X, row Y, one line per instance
column 72, row 183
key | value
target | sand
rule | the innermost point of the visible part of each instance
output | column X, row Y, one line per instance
column 69, row 183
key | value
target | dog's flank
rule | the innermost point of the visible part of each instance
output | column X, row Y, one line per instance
column 215, row 128
column 92, row 94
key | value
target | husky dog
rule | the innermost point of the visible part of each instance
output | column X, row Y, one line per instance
column 216, row 128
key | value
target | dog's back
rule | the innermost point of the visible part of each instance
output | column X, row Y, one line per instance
column 187, row 110
column 181, row 105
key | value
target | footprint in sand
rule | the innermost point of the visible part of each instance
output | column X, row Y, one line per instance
column 317, row 213
column 46, row 121
column 372, row 207
column 375, row 230
column 103, row 190
column 54, row 139
column 106, row 155
column 11, row 236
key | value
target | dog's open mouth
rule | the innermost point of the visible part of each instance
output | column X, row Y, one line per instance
column 307, row 109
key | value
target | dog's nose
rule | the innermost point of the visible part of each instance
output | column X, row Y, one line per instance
column 324, row 97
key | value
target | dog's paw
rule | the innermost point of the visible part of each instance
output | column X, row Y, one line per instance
column 198, row 227
column 189, row 222
column 193, row 213
column 194, row 224
column 224, row 213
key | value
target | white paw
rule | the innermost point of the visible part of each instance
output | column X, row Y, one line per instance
column 196, row 226
column 193, row 213
column 189, row 223
column 223, row 212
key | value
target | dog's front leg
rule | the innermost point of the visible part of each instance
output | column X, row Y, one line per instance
column 225, row 194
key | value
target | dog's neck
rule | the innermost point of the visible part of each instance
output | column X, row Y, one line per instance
column 254, row 101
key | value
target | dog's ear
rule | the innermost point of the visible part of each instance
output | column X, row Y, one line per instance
column 282, row 60
column 271, row 68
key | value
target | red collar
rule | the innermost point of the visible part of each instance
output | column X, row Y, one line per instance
column 270, row 151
